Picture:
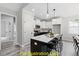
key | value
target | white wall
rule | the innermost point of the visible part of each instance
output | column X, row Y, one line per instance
column 64, row 22
column 65, row 27
column 37, row 21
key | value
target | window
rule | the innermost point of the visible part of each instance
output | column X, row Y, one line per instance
column 73, row 27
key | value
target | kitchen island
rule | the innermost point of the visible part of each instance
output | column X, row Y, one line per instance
column 41, row 43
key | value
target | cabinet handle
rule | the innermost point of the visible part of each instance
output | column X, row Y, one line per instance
column 35, row 43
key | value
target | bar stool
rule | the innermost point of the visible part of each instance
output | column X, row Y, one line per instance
column 76, row 46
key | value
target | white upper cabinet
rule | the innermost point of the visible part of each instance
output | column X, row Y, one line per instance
column 57, row 21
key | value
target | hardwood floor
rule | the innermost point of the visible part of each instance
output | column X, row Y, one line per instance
column 11, row 51
column 68, row 50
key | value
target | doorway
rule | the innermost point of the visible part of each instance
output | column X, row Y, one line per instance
column 8, row 31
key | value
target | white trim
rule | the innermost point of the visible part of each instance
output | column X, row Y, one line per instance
column 16, row 27
column 22, row 27
column 7, row 14
column 0, row 30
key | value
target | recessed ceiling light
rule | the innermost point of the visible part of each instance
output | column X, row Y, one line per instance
column 33, row 9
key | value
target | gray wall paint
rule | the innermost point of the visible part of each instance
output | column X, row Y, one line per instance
column 19, row 27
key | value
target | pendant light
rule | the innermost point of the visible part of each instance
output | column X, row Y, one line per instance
column 47, row 11
column 54, row 12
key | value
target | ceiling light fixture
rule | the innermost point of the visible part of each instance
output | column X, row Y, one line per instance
column 47, row 11
column 54, row 12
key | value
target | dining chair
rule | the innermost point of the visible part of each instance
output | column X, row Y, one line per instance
column 76, row 46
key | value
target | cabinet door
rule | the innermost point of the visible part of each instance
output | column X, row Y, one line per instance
column 28, row 27
column 28, row 30
column 57, row 28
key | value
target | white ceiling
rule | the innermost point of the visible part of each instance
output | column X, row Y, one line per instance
column 62, row 9
column 12, row 6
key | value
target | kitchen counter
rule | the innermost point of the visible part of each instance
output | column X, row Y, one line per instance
column 44, row 38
